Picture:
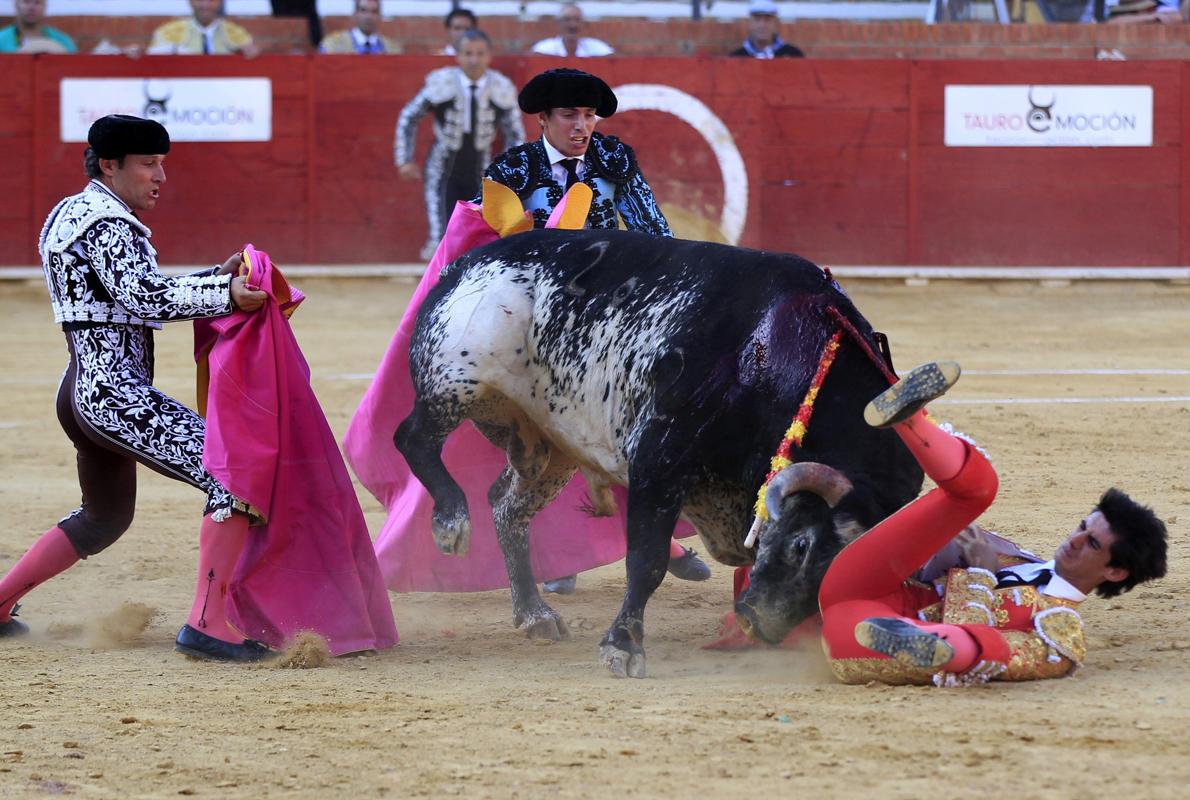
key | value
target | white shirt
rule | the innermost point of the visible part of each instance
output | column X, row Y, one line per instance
column 586, row 47
column 557, row 168
column 1057, row 587
column 361, row 39
column 208, row 34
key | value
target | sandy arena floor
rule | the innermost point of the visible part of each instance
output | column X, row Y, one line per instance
column 466, row 706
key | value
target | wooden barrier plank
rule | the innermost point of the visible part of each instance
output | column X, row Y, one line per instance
column 16, row 139
column 1184, row 195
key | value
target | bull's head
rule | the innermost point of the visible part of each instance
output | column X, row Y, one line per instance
column 806, row 530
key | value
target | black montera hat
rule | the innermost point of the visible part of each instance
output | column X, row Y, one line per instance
column 567, row 88
column 118, row 135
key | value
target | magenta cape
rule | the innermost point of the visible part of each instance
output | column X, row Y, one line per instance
column 563, row 540
column 311, row 566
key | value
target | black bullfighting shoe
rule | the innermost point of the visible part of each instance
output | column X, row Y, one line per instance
column 689, row 567
column 903, row 641
column 564, row 585
column 13, row 627
column 907, row 396
column 198, row 645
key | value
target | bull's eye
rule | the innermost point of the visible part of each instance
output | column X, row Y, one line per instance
column 800, row 545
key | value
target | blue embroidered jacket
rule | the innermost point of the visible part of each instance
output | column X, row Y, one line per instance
column 612, row 173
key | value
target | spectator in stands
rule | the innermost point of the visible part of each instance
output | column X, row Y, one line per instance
column 468, row 102
column 457, row 22
column 1133, row 12
column 764, row 39
column 29, row 34
column 365, row 38
column 571, row 41
column 205, row 33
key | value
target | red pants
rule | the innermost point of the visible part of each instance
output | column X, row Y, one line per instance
column 867, row 579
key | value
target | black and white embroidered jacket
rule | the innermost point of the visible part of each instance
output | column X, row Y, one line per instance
column 445, row 96
column 100, row 268
column 612, row 173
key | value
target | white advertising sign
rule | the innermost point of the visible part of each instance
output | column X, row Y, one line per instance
column 191, row 109
column 1049, row 116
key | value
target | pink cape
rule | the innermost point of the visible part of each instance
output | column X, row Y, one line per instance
column 311, row 566
column 563, row 540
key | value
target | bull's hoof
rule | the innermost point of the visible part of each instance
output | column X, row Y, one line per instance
column 622, row 663
column 452, row 534
column 553, row 629
column 543, row 623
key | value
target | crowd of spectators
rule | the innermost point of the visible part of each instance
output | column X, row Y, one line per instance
column 207, row 31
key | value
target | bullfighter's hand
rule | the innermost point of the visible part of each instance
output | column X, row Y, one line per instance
column 244, row 298
column 232, row 264
column 977, row 551
column 409, row 171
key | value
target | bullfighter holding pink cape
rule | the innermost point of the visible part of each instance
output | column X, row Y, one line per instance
column 307, row 563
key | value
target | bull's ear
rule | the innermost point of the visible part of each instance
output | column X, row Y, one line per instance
column 571, row 213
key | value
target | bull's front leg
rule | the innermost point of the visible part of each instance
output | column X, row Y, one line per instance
column 419, row 439
column 652, row 514
column 515, row 501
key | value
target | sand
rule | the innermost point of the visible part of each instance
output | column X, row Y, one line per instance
column 95, row 703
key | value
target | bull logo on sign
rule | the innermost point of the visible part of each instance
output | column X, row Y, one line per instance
column 1040, row 117
column 155, row 105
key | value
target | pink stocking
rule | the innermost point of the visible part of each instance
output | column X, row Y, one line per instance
column 675, row 549
column 219, row 547
column 51, row 554
column 940, row 454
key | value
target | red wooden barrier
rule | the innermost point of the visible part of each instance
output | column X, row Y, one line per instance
column 845, row 162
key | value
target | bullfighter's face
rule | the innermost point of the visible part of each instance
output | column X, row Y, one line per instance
column 1083, row 559
column 569, row 129
column 367, row 16
column 474, row 58
column 205, row 11
column 138, row 181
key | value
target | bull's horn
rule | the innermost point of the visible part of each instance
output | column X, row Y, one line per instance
column 806, row 476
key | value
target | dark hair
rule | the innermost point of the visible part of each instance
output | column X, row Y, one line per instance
column 460, row 12
column 379, row 4
column 476, row 35
column 1140, row 542
column 91, row 164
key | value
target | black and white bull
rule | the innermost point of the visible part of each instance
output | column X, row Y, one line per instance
column 674, row 368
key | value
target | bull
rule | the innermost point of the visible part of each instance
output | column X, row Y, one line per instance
column 670, row 367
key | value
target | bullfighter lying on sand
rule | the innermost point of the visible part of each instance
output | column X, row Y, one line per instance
column 998, row 614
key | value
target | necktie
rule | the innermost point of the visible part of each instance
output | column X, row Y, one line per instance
column 1006, row 578
column 206, row 43
column 571, row 167
column 474, row 108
